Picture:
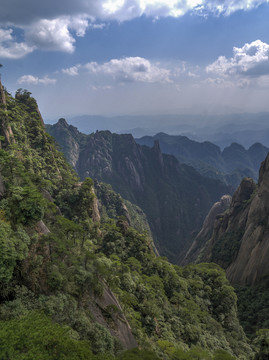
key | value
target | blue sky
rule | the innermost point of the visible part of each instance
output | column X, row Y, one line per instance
column 137, row 56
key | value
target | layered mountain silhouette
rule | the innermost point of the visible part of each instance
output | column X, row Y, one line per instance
column 230, row 165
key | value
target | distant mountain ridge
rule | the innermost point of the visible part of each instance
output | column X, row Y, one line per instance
column 222, row 130
column 229, row 165
column 174, row 197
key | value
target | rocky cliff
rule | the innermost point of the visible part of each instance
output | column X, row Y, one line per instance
column 69, row 138
column 205, row 233
column 174, row 197
column 240, row 241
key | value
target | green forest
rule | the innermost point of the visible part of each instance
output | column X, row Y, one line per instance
column 78, row 284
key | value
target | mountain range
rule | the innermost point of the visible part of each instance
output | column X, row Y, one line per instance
column 174, row 196
column 77, row 281
column 229, row 165
column 243, row 128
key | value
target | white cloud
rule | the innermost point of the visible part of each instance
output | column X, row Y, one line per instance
column 15, row 50
column 252, row 60
column 100, row 87
column 128, row 9
column 51, row 35
column 99, row 26
column 131, row 69
column 79, row 24
column 33, row 80
column 11, row 49
column 28, row 11
column 72, row 71
column 5, row 35
column 227, row 7
column 54, row 25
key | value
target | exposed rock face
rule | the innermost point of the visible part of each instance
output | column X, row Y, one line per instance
column 2, row 95
column 240, row 242
column 69, row 139
column 174, row 197
column 41, row 228
column 119, row 327
column 199, row 242
column 95, row 210
column 252, row 262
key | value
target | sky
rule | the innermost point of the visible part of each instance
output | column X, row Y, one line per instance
column 131, row 57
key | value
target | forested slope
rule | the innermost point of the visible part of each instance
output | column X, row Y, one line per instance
column 74, row 286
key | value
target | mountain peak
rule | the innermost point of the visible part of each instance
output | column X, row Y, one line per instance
column 62, row 122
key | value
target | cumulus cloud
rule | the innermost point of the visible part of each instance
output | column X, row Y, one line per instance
column 17, row 11
column 6, row 35
column 131, row 69
column 33, row 80
column 72, row 71
column 79, row 24
column 251, row 60
column 54, row 25
column 51, row 35
column 11, row 49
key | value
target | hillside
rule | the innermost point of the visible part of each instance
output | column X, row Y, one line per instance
column 229, row 165
column 76, row 284
column 174, row 197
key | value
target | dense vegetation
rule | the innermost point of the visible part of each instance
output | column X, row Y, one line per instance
column 253, row 307
column 58, row 267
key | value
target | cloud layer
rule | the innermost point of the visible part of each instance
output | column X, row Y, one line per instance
column 54, row 25
column 18, row 12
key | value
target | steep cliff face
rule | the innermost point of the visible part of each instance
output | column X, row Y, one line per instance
column 251, row 264
column 206, row 232
column 174, row 197
column 240, row 241
column 69, row 138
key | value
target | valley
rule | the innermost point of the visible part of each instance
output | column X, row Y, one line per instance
column 83, row 261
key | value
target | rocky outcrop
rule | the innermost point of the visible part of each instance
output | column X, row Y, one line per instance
column 240, row 241
column 251, row 264
column 206, row 232
column 41, row 228
column 107, row 311
column 69, row 139
column 95, row 210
